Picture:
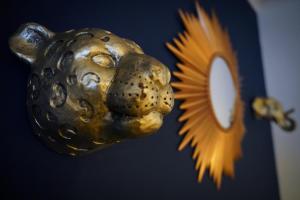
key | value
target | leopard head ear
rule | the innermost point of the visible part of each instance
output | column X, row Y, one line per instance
column 28, row 40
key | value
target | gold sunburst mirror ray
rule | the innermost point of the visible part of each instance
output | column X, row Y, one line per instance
column 210, row 89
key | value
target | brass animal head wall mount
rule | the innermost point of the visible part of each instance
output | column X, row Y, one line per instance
column 89, row 88
column 271, row 109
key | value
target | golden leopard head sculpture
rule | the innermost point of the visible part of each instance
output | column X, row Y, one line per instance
column 89, row 88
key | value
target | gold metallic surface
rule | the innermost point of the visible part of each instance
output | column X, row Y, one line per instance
column 271, row 109
column 89, row 88
column 215, row 148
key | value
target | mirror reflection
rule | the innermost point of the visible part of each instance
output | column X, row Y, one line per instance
column 222, row 92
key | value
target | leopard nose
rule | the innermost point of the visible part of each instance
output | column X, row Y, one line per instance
column 166, row 100
column 160, row 74
column 136, row 86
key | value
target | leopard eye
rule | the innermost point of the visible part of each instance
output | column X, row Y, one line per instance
column 103, row 60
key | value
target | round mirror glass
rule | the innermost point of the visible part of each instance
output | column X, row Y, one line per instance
column 222, row 92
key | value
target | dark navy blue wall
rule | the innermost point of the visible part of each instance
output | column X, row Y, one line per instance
column 148, row 168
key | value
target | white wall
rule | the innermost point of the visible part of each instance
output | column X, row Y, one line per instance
column 279, row 30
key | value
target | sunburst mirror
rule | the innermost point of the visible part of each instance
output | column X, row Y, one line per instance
column 209, row 87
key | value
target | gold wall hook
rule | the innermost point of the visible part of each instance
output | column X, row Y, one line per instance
column 89, row 88
column 271, row 109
